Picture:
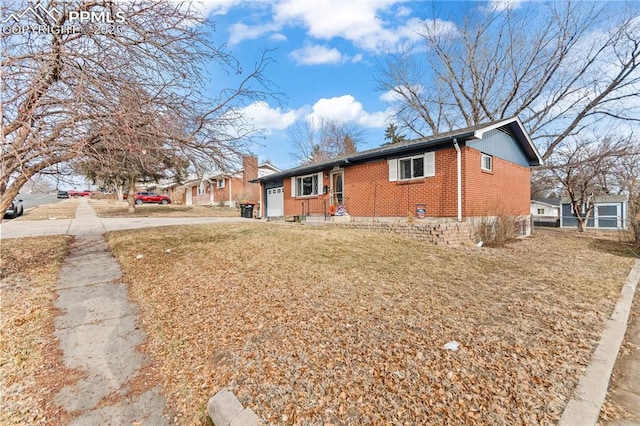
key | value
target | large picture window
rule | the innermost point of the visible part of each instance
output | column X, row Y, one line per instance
column 307, row 185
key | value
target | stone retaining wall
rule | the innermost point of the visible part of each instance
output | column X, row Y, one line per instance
column 447, row 233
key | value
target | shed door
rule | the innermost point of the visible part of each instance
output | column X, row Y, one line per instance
column 275, row 202
column 189, row 194
column 608, row 215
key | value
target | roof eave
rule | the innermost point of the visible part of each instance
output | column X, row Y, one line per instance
column 522, row 137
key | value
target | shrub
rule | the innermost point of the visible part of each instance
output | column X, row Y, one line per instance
column 495, row 231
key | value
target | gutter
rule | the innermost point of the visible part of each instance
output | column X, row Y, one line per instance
column 459, row 177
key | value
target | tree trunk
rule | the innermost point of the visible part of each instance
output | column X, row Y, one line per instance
column 581, row 222
column 131, row 199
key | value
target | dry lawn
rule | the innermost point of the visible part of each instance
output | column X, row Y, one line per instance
column 30, row 368
column 334, row 326
column 65, row 209
column 112, row 208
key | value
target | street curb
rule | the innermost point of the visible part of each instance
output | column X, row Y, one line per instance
column 584, row 407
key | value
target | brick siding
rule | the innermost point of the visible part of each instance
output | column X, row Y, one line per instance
column 368, row 192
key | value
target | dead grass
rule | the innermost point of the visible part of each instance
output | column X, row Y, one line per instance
column 61, row 210
column 30, row 367
column 613, row 409
column 112, row 208
column 324, row 325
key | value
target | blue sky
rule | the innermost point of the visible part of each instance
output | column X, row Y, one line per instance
column 325, row 55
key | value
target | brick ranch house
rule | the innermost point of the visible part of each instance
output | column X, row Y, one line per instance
column 478, row 171
column 227, row 189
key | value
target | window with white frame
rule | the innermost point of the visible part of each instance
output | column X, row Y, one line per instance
column 201, row 188
column 486, row 162
column 414, row 167
column 220, row 183
column 540, row 211
column 306, row 185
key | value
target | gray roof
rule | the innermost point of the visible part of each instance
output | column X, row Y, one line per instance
column 513, row 126
column 550, row 201
column 603, row 198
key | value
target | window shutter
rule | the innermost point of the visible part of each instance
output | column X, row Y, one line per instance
column 293, row 187
column 393, row 169
column 320, row 184
column 430, row 163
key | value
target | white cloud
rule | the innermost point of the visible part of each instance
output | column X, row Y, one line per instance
column 278, row 37
column 345, row 109
column 265, row 117
column 358, row 21
column 500, row 5
column 318, row 54
column 394, row 95
column 215, row 7
column 435, row 27
column 341, row 109
column 240, row 32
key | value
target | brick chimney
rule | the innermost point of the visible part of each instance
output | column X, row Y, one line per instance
column 250, row 171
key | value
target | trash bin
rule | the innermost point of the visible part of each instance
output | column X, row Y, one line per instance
column 248, row 210
column 421, row 210
column 243, row 209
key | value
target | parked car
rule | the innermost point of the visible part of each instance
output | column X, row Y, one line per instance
column 63, row 194
column 74, row 193
column 15, row 209
column 150, row 197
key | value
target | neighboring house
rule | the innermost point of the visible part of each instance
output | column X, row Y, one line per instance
column 228, row 188
column 479, row 171
column 171, row 189
column 545, row 211
column 609, row 212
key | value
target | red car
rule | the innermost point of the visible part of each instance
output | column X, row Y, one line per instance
column 74, row 193
column 150, row 197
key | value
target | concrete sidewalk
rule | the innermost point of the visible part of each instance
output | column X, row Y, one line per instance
column 98, row 334
column 34, row 228
column 585, row 405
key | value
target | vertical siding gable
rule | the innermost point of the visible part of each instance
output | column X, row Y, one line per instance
column 501, row 145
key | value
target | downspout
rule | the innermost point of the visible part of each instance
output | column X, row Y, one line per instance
column 459, row 170
column 262, row 189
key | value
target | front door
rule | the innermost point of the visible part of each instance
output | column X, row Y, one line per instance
column 337, row 185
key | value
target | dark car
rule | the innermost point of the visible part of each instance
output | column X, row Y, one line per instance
column 14, row 210
column 151, row 197
column 63, row 194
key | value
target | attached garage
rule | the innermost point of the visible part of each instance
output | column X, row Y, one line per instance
column 275, row 201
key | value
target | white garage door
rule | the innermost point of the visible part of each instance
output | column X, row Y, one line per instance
column 275, row 202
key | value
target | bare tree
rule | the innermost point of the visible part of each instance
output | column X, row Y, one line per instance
column 312, row 142
column 560, row 66
column 625, row 177
column 585, row 168
column 135, row 142
column 59, row 84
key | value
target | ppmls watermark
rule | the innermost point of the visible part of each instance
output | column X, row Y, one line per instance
column 38, row 19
